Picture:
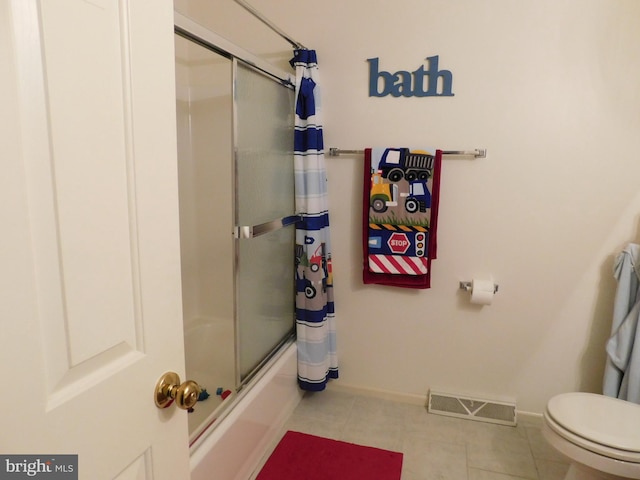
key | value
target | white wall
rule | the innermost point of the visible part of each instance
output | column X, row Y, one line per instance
column 551, row 89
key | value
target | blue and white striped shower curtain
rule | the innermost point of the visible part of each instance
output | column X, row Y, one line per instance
column 315, row 318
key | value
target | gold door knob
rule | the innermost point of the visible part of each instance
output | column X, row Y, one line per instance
column 169, row 389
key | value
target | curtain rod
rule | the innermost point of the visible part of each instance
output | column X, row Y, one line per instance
column 477, row 153
column 272, row 26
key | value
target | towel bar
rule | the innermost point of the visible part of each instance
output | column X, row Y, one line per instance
column 252, row 231
column 476, row 153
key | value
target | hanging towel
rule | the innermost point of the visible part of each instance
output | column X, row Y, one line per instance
column 622, row 369
column 401, row 190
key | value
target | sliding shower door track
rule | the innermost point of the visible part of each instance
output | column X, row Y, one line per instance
column 195, row 32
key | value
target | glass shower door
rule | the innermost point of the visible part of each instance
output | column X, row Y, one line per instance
column 264, row 208
column 204, row 105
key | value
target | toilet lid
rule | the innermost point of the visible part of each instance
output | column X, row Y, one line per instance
column 604, row 420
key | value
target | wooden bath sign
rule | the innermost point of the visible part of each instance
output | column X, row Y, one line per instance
column 419, row 83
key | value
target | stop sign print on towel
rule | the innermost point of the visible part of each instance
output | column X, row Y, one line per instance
column 400, row 255
column 398, row 243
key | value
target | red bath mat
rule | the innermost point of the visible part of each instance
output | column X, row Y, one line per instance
column 299, row 456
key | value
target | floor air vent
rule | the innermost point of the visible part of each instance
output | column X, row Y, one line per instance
column 472, row 408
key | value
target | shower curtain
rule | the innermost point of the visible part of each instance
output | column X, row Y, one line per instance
column 315, row 319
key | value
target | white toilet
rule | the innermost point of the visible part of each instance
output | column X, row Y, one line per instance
column 599, row 435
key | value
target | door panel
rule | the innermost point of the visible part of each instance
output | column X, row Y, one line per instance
column 264, row 153
column 91, row 277
column 264, row 194
column 265, row 281
column 89, row 253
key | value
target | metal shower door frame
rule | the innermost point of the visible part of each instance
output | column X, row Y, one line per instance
column 190, row 30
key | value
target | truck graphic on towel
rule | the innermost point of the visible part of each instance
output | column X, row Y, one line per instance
column 400, row 210
column 384, row 195
column 398, row 163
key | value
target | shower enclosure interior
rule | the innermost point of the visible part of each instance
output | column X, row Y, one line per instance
column 235, row 142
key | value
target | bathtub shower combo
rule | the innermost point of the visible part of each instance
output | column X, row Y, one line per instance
column 235, row 141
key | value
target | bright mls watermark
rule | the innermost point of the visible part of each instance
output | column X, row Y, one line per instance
column 49, row 467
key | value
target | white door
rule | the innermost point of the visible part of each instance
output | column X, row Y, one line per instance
column 90, row 301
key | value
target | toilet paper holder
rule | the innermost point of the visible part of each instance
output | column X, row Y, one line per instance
column 467, row 286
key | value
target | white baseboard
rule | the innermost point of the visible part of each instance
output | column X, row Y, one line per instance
column 411, row 398
column 526, row 418
column 529, row 418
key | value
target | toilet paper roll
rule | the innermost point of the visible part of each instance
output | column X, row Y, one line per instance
column 482, row 292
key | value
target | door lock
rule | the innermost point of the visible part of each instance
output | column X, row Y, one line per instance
column 169, row 389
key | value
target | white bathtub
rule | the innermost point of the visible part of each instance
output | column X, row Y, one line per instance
column 238, row 442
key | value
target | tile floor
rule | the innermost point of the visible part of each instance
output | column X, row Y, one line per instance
column 435, row 447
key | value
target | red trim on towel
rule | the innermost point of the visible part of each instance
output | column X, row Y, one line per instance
column 435, row 204
column 405, row 281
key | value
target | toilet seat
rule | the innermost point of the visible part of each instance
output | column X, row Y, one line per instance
column 604, row 425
